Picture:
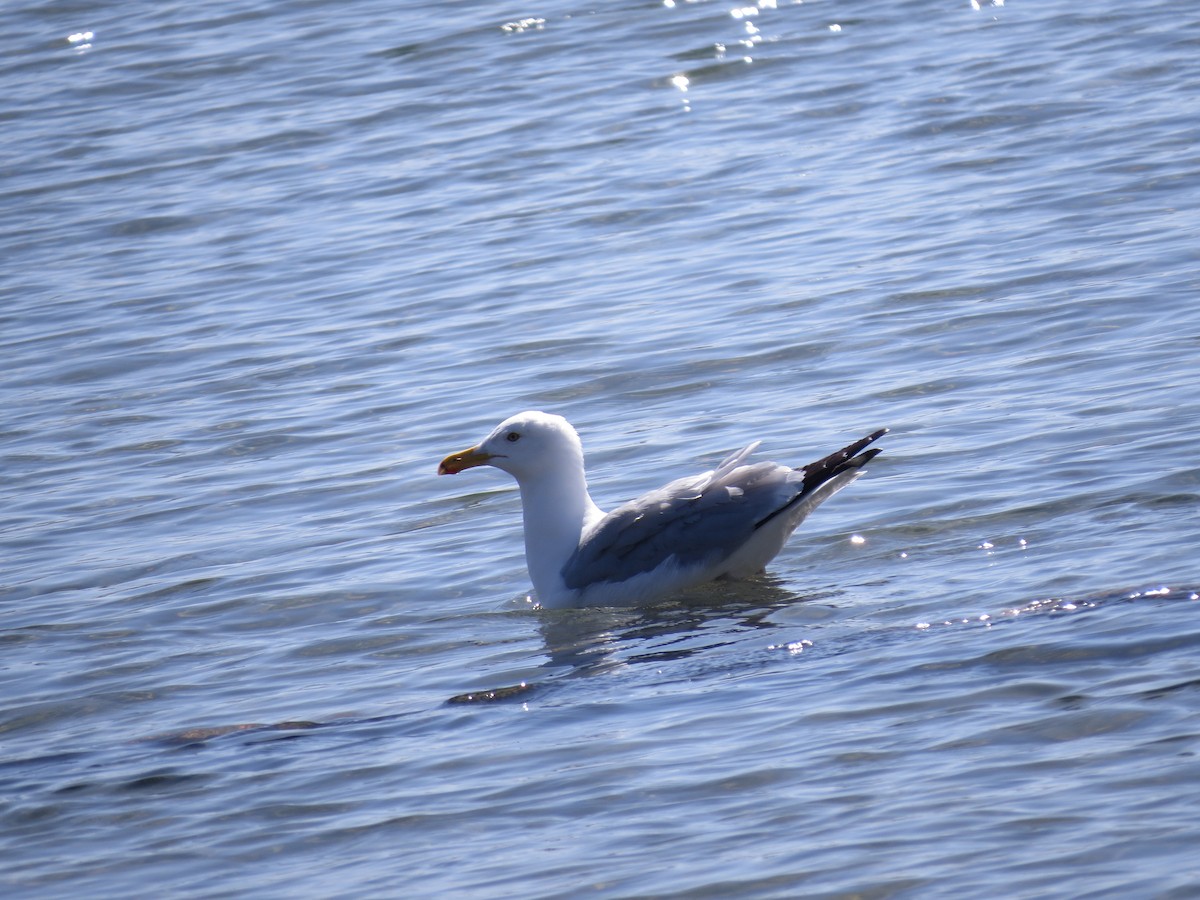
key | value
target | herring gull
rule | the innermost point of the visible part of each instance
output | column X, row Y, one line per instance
column 726, row 523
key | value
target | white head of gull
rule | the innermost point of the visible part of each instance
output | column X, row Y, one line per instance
column 726, row 523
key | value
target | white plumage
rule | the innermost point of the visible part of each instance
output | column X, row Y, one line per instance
column 727, row 523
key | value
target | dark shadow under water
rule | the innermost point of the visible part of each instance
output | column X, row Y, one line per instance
column 594, row 640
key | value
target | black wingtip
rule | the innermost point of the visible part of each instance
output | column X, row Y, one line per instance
column 849, row 457
column 815, row 474
column 863, row 458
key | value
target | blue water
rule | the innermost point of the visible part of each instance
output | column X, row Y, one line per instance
column 263, row 265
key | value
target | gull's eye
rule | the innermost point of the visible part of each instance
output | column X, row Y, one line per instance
column 512, row 437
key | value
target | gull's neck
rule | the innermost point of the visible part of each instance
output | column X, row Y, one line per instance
column 558, row 510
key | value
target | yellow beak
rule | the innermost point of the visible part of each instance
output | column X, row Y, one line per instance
column 464, row 459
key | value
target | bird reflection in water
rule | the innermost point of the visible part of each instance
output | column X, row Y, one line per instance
column 600, row 640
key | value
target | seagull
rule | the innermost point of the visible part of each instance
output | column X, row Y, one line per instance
column 724, row 524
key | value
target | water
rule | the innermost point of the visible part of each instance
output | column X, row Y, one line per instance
column 264, row 265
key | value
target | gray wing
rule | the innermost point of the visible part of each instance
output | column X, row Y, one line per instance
column 703, row 519
column 696, row 520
